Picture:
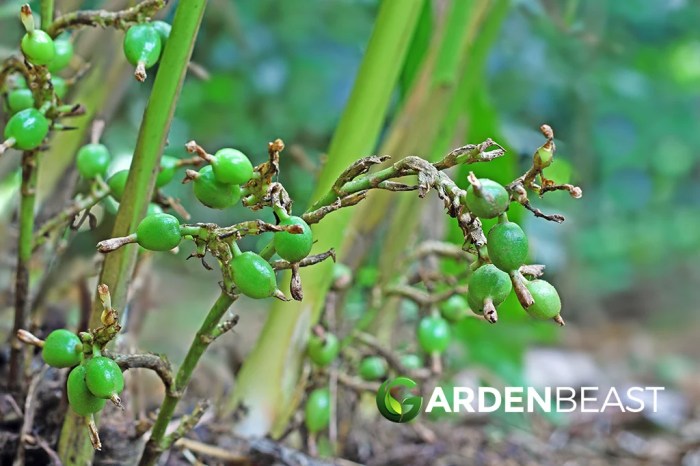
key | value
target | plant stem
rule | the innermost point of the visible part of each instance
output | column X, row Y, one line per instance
column 268, row 393
column 118, row 19
column 118, row 266
column 24, row 255
column 46, row 12
column 159, row 442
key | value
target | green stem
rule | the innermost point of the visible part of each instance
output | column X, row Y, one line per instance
column 119, row 265
column 159, row 442
column 268, row 395
column 24, row 255
column 46, row 12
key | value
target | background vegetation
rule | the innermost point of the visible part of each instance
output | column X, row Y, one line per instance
column 618, row 81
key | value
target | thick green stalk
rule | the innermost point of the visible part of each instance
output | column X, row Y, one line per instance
column 46, row 12
column 437, row 119
column 119, row 265
column 267, row 394
column 24, row 255
column 153, row 132
column 158, row 441
column 421, row 119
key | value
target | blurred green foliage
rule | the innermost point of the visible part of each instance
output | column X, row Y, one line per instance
column 619, row 81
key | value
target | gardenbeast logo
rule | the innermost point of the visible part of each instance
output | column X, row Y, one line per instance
column 397, row 403
column 405, row 407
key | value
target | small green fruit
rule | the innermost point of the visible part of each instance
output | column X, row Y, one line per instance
column 488, row 282
column 62, row 348
column 168, row 167
column 20, row 99
column 507, row 246
column 103, row 377
column 547, row 301
column 93, row 160
column 323, row 351
column 411, row 361
column 475, row 305
column 38, row 47
column 16, row 81
column 28, row 127
column 142, row 45
column 434, row 334
column 117, row 184
column 154, row 209
column 232, row 166
column 253, row 275
column 490, row 202
column 318, row 410
column 213, row 194
column 163, row 29
column 80, row 399
column 454, row 308
column 159, row 232
column 63, row 53
column 60, row 87
column 372, row 368
column 293, row 247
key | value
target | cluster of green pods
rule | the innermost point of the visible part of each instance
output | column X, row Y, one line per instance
column 93, row 379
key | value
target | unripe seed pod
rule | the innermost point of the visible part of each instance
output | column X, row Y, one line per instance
column 62, row 348
column 372, row 368
column 159, row 232
column 489, row 201
column 318, row 410
column 80, row 399
column 323, row 351
column 253, row 275
column 547, row 302
column 104, row 378
column 507, row 246
column 290, row 246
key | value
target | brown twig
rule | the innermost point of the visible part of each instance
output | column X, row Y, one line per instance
column 157, row 363
column 117, row 19
column 29, row 411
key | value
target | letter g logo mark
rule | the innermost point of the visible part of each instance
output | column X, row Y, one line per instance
column 402, row 409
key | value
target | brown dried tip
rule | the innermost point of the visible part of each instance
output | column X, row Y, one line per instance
column 276, row 146
column 98, row 127
column 140, row 72
column 103, row 291
column 490, row 313
column 319, row 331
column 6, row 145
column 474, row 182
column 294, row 229
column 29, row 338
column 521, row 291
column 279, row 295
column 190, row 175
column 116, row 401
column 295, row 284
column 94, row 434
column 113, row 244
column 558, row 319
column 547, row 131
column 193, row 148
